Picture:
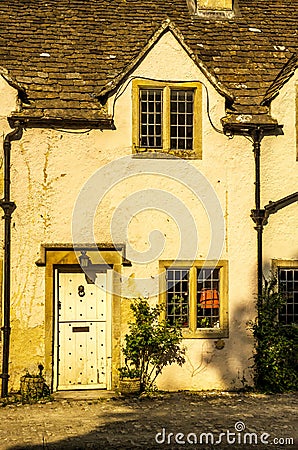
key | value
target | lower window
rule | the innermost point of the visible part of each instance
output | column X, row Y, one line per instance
column 288, row 286
column 196, row 298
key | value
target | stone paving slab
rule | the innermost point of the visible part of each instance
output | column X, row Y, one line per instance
column 234, row 421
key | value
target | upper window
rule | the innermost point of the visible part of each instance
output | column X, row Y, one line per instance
column 288, row 285
column 166, row 118
column 196, row 298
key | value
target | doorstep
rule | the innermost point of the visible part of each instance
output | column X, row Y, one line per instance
column 92, row 394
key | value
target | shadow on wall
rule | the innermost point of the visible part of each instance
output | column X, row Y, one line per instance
column 235, row 367
column 222, row 364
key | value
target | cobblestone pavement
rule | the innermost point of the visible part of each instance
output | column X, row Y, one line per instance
column 118, row 423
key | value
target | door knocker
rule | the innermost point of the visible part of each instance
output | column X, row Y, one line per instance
column 81, row 291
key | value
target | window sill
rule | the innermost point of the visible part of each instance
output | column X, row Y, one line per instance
column 164, row 154
column 210, row 333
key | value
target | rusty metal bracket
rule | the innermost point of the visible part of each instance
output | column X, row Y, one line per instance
column 8, row 207
column 273, row 207
column 259, row 217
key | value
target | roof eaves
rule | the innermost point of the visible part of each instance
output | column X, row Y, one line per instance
column 65, row 123
column 244, row 124
column 282, row 78
column 11, row 80
column 167, row 25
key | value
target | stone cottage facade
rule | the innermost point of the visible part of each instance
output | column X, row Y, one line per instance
column 142, row 145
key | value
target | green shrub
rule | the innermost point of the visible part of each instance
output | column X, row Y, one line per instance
column 151, row 343
column 276, row 345
column 128, row 372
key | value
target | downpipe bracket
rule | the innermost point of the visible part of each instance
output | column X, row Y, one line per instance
column 8, row 207
column 4, row 376
column 7, row 329
column 260, row 218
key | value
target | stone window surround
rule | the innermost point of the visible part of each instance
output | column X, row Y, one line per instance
column 192, row 331
column 283, row 263
column 196, row 152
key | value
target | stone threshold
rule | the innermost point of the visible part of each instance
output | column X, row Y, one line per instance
column 84, row 394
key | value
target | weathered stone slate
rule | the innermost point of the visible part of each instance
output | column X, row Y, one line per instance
column 62, row 52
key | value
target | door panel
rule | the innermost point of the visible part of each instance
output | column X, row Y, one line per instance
column 82, row 353
column 79, row 300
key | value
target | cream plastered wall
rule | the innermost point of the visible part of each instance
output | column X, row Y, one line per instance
column 50, row 168
column 280, row 177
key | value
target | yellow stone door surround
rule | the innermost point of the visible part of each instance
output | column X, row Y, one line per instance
column 64, row 257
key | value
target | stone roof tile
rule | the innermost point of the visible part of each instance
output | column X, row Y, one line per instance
column 68, row 49
column 281, row 79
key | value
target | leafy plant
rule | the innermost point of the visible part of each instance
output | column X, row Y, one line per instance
column 151, row 343
column 204, row 322
column 128, row 372
column 276, row 345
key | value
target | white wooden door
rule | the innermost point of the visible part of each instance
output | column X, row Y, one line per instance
column 82, row 332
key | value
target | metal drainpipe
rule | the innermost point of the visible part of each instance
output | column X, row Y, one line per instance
column 258, row 214
column 8, row 208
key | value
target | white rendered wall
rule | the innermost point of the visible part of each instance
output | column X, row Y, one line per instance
column 280, row 178
column 49, row 168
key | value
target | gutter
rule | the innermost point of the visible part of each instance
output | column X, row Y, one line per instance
column 8, row 208
column 104, row 123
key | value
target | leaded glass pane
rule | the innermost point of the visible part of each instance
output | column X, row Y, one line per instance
column 178, row 297
column 181, row 113
column 208, row 298
column 288, row 286
column 151, row 118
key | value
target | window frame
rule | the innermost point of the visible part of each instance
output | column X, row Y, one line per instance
column 165, row 150
column 283, row 264
column 192, row 331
